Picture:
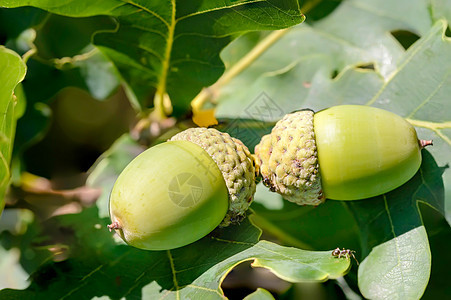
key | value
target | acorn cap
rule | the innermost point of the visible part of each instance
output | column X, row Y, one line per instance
column 235, row 162
column 288, row 162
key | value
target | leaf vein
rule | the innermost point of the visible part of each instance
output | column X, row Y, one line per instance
column 203, row 288
column 431, row 192
column 148, row 30
column 434, row 127
column 218, row 8
column 138, row 279
column 83, row 282
column 408, row 59
column 232, row 242
column 398, row 260
column 430, row 96
column 148, row 11
column 198, row 61
column 174, row 274
column 252, row 20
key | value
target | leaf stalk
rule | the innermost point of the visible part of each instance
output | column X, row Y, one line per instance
column 212, row 92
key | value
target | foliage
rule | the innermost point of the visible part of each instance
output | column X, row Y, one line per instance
column 240, row 65
column 12, row 72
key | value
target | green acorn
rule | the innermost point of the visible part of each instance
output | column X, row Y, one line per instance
column 346, row 152
column 177, row 192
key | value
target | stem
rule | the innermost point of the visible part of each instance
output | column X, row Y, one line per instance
column 60, row 62
column 425, row 143
column 249, row 58
column 434, row 126
column 349, row 293
column 211, row 92
column 162, row 107
column 115, row 225
column 33, row 50
column 161, row 110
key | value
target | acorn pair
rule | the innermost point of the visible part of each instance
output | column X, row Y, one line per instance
column 177, row 192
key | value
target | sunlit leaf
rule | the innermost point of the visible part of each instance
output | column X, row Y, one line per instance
column 260, row 294
column 406, row 256
column 156, row 43
column 12, row 71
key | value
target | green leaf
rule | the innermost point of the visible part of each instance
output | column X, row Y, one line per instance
column 425, row 101
column 98, row 266
column 439, row 234
column 314, row 53
column 66, row 55
column 399, row 260
column 106, row 170
column 397, row 213
column 260, row 294
column 93, row 74
column 16, row 221
column 173, row 47
column 441, row 9
column 20, row 240
column 63, row 53
column 330, row 63
column 301, row 77
column 13, row 24
column 60, row 37
column 31, row 127
column 354, row 55
column 17, row 230
column 382, row 275
column 63, row 57
column 12, row 71
column 300, row 226
column 421, row 99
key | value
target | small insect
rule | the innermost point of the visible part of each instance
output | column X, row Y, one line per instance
column 237, row 219
column 344, row 253
column 267, row 182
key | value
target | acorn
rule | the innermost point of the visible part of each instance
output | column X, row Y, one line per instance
column 346, row 152
column 177, row 192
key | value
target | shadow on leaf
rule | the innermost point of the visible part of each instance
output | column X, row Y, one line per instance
column 385, row 217
column 96, row 265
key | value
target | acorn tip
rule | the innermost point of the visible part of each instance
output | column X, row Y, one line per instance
column 113, row 226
